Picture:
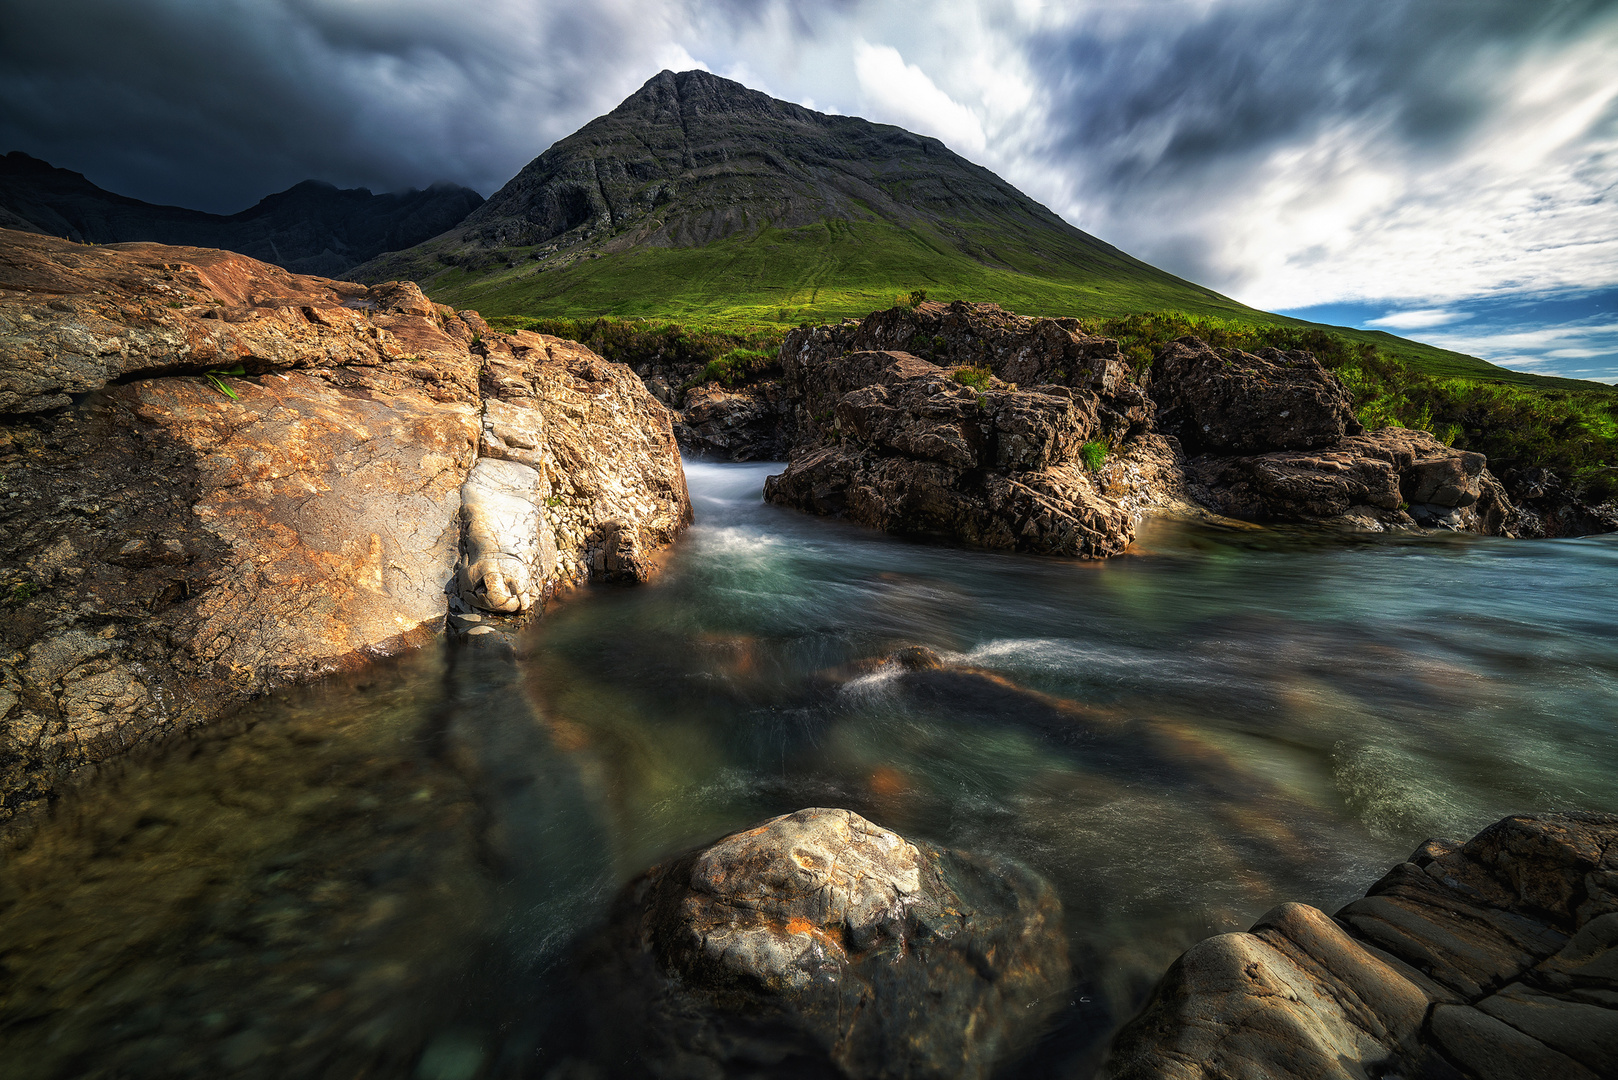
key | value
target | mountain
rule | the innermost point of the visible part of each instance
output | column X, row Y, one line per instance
column 701, row 196
column 311, row 228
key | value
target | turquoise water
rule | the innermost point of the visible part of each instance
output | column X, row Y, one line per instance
column 388, row 877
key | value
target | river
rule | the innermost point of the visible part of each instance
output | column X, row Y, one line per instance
column 388, row 875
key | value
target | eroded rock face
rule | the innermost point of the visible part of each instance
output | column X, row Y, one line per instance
column 820, row 941
column 1388, row 478
column 896, row 442
column 1497, row 958
column 747, row 424
column 612, row 490
column 168, row 551
column 1228, row 401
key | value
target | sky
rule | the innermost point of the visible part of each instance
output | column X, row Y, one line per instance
column 1442, row 169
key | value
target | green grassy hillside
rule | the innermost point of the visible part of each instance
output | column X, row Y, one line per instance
column 833, row 270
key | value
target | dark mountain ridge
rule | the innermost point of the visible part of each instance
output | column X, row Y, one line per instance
column 692, row 160
column 310, row 228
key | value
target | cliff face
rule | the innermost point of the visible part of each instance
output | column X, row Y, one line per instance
column 175, row 542
column 310, row 228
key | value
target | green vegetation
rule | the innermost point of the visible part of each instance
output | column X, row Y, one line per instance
column 975, row 377
column 215, row 377
column 738, row 366
column 22, row 592
column 1566, row 425
column 728, row 357
column 912, row 300
column 1094, row 455
column 766, row 282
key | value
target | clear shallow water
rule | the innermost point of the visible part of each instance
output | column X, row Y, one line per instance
column 386, row 877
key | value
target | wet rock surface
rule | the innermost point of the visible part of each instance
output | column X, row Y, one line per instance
column 1489, row 960
column 169, row 550
column 818, row 943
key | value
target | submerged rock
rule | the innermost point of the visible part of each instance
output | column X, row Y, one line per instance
column 1496, row 960
column 820, row 942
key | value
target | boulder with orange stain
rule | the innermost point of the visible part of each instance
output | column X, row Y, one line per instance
column 821, row 936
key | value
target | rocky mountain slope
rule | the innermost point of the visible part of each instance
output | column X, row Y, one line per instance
column 217, row 478
column 700, row 199
column 311, row 228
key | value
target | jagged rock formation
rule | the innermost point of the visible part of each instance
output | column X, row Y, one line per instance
column 894, row 439
column 1489, row 960
column 167, row 551
column 310, row 228
column 819, row 943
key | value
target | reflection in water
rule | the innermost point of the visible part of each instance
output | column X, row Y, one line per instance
column 384, row 878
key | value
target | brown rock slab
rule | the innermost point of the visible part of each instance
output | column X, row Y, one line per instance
column 1490, row 960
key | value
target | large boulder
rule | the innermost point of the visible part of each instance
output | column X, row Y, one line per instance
column 173, row 543
column 1496, row 960
column 1228, row 401
column 819, row 943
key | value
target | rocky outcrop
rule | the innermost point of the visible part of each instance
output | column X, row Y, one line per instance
column 1388, row 478
column 970, row 423
column 820, row 943
column 749, row 423
column 174, row 542
column 1489, row 960
column 1235, row 402
column 893, row 440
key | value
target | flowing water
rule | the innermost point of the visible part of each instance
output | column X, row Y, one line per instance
column 386, row 877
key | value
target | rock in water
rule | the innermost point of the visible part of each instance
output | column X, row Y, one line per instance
column 891, row 439
column 820, row 942
column 1493, row 960
column 173, row 543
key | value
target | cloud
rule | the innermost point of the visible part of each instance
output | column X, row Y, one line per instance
column 903, row 90
column 1417, row 320
column 1287, row 154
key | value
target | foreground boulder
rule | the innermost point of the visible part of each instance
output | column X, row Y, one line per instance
column 173, row 543
column 1496, row 959
column 818, row 942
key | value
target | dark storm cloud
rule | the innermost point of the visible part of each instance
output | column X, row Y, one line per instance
column 214, row 104
column 1166, row 101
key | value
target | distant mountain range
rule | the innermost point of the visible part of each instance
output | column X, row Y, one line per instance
column 311, row 228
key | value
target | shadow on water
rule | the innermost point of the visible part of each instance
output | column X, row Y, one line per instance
column 388, row 876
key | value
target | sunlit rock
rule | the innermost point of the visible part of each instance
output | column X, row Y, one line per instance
column 822, row 939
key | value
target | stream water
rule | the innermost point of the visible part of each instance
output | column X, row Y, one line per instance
column 386, row 876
